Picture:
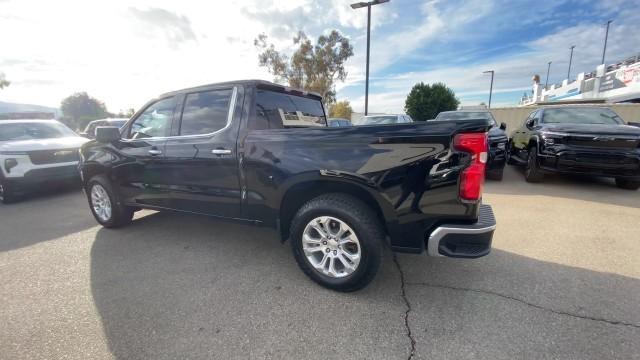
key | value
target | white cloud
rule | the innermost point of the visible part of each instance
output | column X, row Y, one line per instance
column 125, row 52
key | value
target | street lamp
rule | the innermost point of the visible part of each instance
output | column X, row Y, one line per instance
column 546, row 82
column 606, row 36
column 570, row 58
column 368, row 6
column 491, row 88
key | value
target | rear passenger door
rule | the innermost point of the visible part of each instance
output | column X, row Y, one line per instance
column 202, row 156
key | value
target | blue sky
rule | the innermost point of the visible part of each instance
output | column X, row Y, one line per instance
column 125, row 52
column 516, row 39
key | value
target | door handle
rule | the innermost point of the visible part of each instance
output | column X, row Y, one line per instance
column 155, row 152
column 221, row 152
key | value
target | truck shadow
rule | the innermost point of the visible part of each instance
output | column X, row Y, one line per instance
column 183, row 286
column 586, row 188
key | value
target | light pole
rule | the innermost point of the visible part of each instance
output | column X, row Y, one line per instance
column 368, row 6
column 491, row 88
column 606, row 36
column 570, row 58
column 546, row 82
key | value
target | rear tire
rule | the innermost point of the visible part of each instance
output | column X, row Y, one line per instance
column 342, row 261
column 627, row 184
column 532, row 172
column 106, row 206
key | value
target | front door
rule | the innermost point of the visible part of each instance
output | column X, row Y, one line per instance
column 141, row 169
column 201, row 155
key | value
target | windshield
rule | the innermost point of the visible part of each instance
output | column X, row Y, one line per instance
column 376, row 120
column 33, row 131
column 466, row 115
column 581, row 116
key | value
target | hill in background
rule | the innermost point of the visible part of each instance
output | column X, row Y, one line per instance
column 7, row 107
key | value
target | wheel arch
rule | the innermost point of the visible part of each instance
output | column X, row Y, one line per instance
column 301, row 192
column 89, row 170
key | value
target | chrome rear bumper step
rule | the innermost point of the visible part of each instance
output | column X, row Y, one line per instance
column 464, row 241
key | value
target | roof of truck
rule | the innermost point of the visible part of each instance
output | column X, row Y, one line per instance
column 252, row 82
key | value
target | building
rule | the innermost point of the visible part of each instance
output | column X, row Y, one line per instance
column 615, row 83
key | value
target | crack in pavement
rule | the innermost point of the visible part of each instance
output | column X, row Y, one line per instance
column 508, row 297
column 408, row 305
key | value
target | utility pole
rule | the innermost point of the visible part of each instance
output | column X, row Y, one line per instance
column 546, row 82
column 606, row 36
column 570, row 59
column 490, row 88
column 368, row 6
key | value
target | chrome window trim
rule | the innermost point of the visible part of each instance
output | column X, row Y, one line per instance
column 230, row 113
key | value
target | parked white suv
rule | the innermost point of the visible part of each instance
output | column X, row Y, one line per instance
column 36, row 153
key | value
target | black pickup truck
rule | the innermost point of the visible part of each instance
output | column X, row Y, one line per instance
column 591, row 140
column 262, row 153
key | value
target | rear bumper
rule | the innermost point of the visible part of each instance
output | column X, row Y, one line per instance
column 464, row 241
column 613, row 164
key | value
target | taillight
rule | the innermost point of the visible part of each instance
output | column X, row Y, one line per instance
column 472, row 178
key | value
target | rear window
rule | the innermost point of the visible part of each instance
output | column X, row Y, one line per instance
column 33, row 131
column 205, row 112
column 581, row 116
column 277, row 110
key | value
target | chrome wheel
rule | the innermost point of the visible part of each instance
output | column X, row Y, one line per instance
column 331, row 246
column 100, row 202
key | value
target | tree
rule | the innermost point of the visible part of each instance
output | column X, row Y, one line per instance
column 3, row 81
column 311, row 67
column 341, row 109
column 126, row 114
column 426, row 101
column 80, row 108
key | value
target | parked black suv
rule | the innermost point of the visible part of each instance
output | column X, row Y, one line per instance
column 497, row 138
column 591, row 140
column 262, row 153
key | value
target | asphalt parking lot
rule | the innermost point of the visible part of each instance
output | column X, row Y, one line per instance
column 562, row 282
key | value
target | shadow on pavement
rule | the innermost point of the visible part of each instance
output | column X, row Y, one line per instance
column 181, row 286
column 49, row 214
column 184, row 286
column 507, row 306
column 594, row 189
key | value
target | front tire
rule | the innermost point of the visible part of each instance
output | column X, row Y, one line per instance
column 337, row 241
column 7, row 195
column 509, row 154
column 627, row 184
column 495, row 174
column 532, row 172
column 105, row 204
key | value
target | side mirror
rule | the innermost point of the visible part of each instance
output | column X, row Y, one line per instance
column 529, row 123
column 107, row 134
column 503, row 126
